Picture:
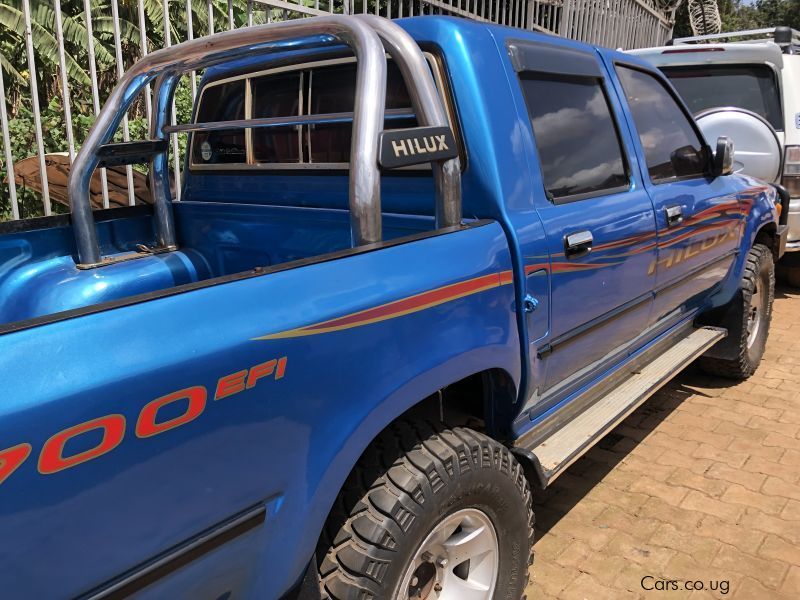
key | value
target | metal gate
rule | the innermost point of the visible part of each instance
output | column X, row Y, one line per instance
column 60, row 59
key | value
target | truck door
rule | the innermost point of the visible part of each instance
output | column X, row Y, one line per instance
column 598, row 220
column 698, row 217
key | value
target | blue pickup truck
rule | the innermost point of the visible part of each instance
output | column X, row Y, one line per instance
column 417, row 268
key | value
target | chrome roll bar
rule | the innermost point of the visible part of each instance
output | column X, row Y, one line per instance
column 366, row 36
column 429, row 108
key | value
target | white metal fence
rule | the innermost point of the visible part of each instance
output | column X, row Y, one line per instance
column 60, row 58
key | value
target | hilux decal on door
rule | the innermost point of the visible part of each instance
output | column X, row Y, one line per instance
column 715, row 221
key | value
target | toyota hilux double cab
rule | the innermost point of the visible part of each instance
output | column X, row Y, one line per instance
column 753, row 73
column 416, row 269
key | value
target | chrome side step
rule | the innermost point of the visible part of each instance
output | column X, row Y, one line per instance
column 557, row 452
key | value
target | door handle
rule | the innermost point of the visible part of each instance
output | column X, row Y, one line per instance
column 578, row 244
column 674, row 215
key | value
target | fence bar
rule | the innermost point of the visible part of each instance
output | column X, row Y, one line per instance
column 120, row 70
column 616, row 23
column 176, row 164
column 148, row 104
column 190, row 36
column 62, row 65
column 37, row 117
column 299, row 8
column 87, row 13
column 12, row 185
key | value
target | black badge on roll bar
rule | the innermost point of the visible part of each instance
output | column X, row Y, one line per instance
column 404, row 147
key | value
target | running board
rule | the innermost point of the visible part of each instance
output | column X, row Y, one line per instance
column 557, row 452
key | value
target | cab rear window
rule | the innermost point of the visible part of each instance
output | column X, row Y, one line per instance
column 751, row 87
column 220, row 103
column 323, row 88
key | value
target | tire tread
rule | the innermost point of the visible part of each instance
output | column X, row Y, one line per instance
column 408, row 463
column 742, row 367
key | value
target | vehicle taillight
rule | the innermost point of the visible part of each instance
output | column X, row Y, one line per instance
column 791, row 171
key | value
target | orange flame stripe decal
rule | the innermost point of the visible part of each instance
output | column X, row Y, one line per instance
column 400, row 307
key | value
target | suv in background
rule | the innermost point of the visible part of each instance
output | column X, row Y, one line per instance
column 758, row 71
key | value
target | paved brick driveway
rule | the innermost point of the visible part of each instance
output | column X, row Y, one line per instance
column 702, row 483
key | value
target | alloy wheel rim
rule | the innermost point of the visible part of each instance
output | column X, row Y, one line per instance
column 458, row 560
column 756, row 312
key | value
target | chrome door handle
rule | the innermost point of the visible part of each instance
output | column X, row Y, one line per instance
column 578, row 244
column 674, row 215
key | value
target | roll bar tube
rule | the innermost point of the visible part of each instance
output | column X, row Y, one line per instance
column 366, row 36
column 429, row 109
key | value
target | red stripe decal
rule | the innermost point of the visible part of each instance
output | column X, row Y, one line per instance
column 401, row 307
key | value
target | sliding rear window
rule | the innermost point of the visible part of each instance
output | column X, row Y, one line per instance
column 325, row 88
column 751, row 87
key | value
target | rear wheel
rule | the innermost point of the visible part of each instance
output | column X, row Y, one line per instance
column 429, row 513
column 751, row 312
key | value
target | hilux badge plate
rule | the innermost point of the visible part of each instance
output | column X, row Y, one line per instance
column 404, row 147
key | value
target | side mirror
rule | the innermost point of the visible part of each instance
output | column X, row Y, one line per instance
column 723, row 157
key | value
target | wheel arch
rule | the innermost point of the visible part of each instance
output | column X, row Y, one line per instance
column 497, row 383
column 760, row 225
column 767, row 235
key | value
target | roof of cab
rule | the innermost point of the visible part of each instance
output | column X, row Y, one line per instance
column 449, row 33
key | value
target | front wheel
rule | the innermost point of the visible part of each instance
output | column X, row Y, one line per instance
column 429, row 513
column 751, row 314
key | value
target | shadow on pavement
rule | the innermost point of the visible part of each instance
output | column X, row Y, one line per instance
column 556, row 501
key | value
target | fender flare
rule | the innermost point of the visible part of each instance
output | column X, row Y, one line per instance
column 389, row 409
column 762, row 217
column 761, row 222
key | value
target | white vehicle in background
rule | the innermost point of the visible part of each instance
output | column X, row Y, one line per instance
column 746, row 85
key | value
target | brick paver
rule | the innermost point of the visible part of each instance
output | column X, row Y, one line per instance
column 702, row 483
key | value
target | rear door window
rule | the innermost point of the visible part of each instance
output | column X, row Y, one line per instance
column 672, row 148
column 576, row 137
column 751, row 87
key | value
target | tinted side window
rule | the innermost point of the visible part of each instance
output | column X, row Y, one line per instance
column 671, row 146
column 223, row 102
column 576, row 137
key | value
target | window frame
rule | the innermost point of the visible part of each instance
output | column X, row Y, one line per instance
column 705, row 148
column 437, row 70
column 601, row 82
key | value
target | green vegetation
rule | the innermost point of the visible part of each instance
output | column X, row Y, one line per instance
column 17, row 77
column 738, row 15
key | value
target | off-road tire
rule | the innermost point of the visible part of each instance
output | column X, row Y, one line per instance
column 413, row 476
column 759, row 274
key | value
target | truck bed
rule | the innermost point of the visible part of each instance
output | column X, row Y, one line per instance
column 39, row 277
